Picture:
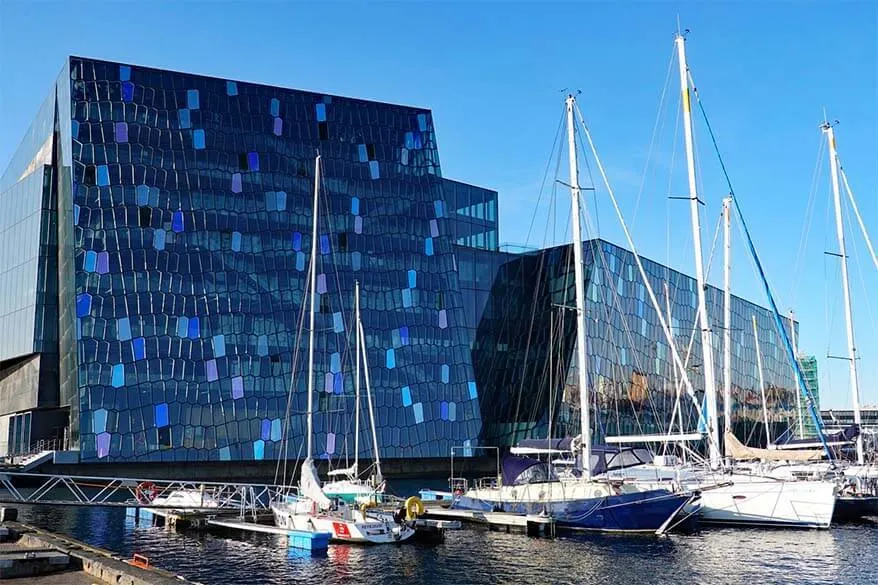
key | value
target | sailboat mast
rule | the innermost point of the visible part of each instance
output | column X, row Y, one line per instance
column 799, row 413
column 579, row 274
column 704, row 322
column 848, row 317
column 369, row 400
column 761, row 384
column 727, row 313
column 312, row 270
column 357, row 379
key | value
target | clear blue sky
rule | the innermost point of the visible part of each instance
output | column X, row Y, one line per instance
column 492, row 74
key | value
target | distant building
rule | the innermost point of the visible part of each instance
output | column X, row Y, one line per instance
column 809, row 371
column 838, row 419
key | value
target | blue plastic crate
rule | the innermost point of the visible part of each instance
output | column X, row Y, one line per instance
column 309, row 540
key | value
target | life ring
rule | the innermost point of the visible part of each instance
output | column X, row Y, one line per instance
column 146, row 492
column 414, row 507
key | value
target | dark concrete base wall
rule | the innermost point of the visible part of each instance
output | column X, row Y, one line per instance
column 264, row 471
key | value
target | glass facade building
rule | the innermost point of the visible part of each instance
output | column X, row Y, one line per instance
column 154, row 253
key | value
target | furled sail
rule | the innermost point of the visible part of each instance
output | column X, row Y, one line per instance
column 738, row 451
column 309, row 484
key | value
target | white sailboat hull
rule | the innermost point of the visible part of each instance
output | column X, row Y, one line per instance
column 347, row 526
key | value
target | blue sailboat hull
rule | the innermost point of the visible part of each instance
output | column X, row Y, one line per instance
column 646, row 511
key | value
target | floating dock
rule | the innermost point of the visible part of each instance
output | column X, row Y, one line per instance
column 531, row 524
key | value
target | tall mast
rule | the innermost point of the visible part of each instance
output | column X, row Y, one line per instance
column 704, row 323
column 369, row 400
column 839, row 230
column 357, row 379
column 761, row 384
column 800, row 416
column 579, row 274
column 727, row 314
column 312, row 269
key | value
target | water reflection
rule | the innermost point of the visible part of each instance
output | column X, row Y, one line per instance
column 844, row 555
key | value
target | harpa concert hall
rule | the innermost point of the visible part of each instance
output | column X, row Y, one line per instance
column 155, row 242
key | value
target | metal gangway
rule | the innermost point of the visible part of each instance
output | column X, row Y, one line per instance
column 126, row 492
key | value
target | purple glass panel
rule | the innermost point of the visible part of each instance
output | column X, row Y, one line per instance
column 330, row 443
column 443, row 319
column 278, row 126
column 404, row 335
column 103, row 263
column 210, row 368
column 358, row 224
column 266, row 429
column 177, row 221
column 237, row 387
column 236, row 183
column 321, row 283
column 253, row 161
column 121, row 131
column 127, row 91
column 328, row 382
column 434, row 228
column 103, row 444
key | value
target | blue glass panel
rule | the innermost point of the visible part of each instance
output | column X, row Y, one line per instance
column 75, row 214
column 210, row 371
column 74, row 131
column 409, row 141
column 373, row 169
column 102, row 445
column 161, row 415
column 219, row 345
column 270, row 201
column 138, row 345
column 275, row 429
column 337, row 323
column 262, row 345
column 123, row 329
column 443, row 319
column 321, row 284
column 338, row 383
column 355, row 261
column 124, row 73
column 275, row 107
column 330, row 443
column 194, row 329
column 439, row 208
column 473, row 393
column 428, row 246
column 324, row 244
column 278, row 127
column 158, row 239
column 406, row 396
column 103, row 175
column 237, row 387
column 300, row 261
column 406, row 297
column 321, row 112
column 225, row 454
column 355, row 205
column 418, row 409
column 142, row 194
column 446, row 373
column 177, row 221
column 327, row 382
column 297, row 241
column 404, row 335
column 237, row 187
column 419, row 143
column 443, row 410
column 281, row 200
column 253, row 161
column 413, row 278
column 236, row 241
column 362, row 155
column 390, row 358
column 358, row 224
column 88, row 263
column 452, row 411
column 192, row 99
column 183, row 326
column 183, row 118
column 259, row 450
column 231, row 88
column 118, row 375
column 83, row 304
column 265, row 433
column 121, row 131
column 422, row 122
column 335, row 362
column 434, row 228
column 198, row 139
column 100, row 420
column 127, row 91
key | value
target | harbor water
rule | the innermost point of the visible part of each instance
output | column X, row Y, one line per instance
column 846, row 554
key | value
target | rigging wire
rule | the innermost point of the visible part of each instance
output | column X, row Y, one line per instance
column 809, row 219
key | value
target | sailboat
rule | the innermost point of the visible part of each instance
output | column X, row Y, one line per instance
column 311, row 509
column 350, row 487
column 576, row 501
column 730, row 494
